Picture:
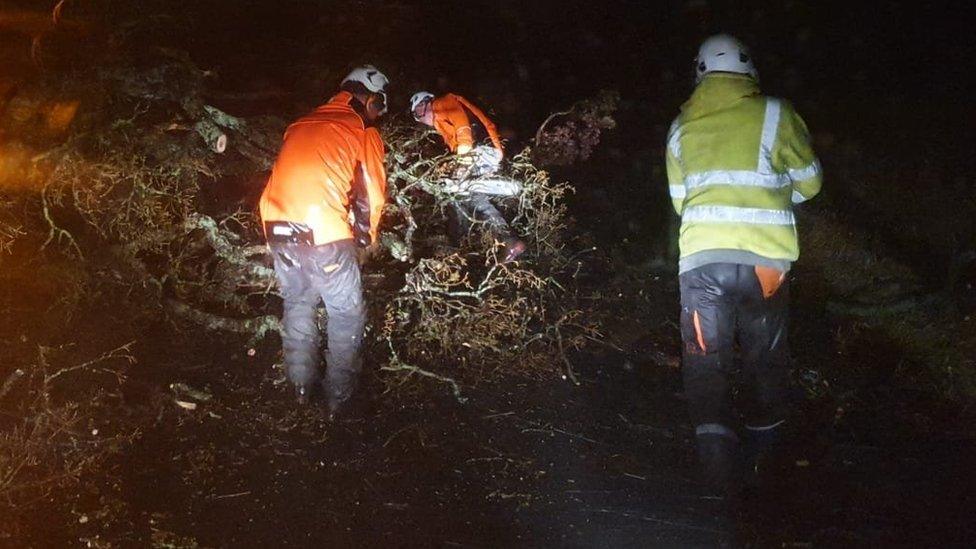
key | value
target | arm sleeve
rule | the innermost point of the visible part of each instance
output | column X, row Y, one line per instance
column 465, row 137
column 794, row 155
column 462, row 126
column 485, row 121
column 369, row 190
column 672, row 161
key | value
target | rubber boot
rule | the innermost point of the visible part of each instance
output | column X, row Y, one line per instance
column 303, row 394
column 338, row 401
column 719, row 456
column 758, row 445
column 458, row 224
column 514, row 247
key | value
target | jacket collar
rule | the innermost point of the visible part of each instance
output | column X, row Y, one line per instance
column 718, row 90
column 345, row 101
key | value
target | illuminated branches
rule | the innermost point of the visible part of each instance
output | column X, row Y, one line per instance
column 133, row 191
column 461, row 313
column 570, row 136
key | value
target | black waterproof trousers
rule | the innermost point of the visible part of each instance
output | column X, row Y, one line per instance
column 723, row 304
column 328, row 273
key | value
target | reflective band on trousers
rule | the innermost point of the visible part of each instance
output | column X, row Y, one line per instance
column 715, row 429
column 742, row 178
column 732, row 214
column 769, row 427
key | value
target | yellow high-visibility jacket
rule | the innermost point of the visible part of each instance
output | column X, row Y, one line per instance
column 737, row 161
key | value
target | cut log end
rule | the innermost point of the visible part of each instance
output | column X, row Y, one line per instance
column 212, row 135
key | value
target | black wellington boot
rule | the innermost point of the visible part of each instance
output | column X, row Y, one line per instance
column 757, row 449
column 719, row 456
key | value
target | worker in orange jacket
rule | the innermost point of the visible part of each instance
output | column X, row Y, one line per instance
column 321, row 207
column 470, row 135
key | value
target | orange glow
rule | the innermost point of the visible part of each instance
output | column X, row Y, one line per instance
column 35, row 22
column 15, row 167
column 60, row 114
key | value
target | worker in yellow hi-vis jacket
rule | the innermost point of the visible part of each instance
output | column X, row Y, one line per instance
column 737, row 163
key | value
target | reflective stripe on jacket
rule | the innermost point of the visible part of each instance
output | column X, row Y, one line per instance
column 454, row 125
column 737, row 161
column 329, row 164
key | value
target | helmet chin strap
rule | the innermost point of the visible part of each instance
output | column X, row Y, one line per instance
column 363, row 108
column 427, row 104
column 377, row 101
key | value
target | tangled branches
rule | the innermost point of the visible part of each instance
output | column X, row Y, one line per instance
column 145, row 187
column 440, row 308
column 461, row 313
column 10, row 227
column 576, row 131
column 53, row 443
column 137, row 186
column 123, row 197
column 541, row 210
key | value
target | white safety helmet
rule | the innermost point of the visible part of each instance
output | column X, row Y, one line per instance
column 370, row 77
column 723, row 53
column 418, row 98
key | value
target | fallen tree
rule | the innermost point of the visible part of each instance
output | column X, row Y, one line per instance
column 141, row 194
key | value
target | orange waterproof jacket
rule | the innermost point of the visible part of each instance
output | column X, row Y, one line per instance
column 451, row 120
column 329, row 163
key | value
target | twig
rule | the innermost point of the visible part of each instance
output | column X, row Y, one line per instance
column 562, row 432
column 9, row 382
column 542, row 127
column 398, row 432
column 54, row 230
column 397, row 365
column 123, row 351
column 557, row 328
column 235, row 495
column 655, row 520
column 492, row 416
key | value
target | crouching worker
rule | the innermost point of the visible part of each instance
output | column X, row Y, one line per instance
column 737, row 163
column 321, row 208
column 470, row 135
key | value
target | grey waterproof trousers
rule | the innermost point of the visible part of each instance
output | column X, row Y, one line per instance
column 330, row 273
column 477, row 208
column 725, row 303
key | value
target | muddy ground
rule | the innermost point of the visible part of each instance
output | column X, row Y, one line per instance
column 523, row 462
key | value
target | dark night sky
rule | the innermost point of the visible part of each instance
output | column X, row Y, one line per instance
column 572, row 46
column 839, row 61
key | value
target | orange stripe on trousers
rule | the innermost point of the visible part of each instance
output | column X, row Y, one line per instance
column 698, row 332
